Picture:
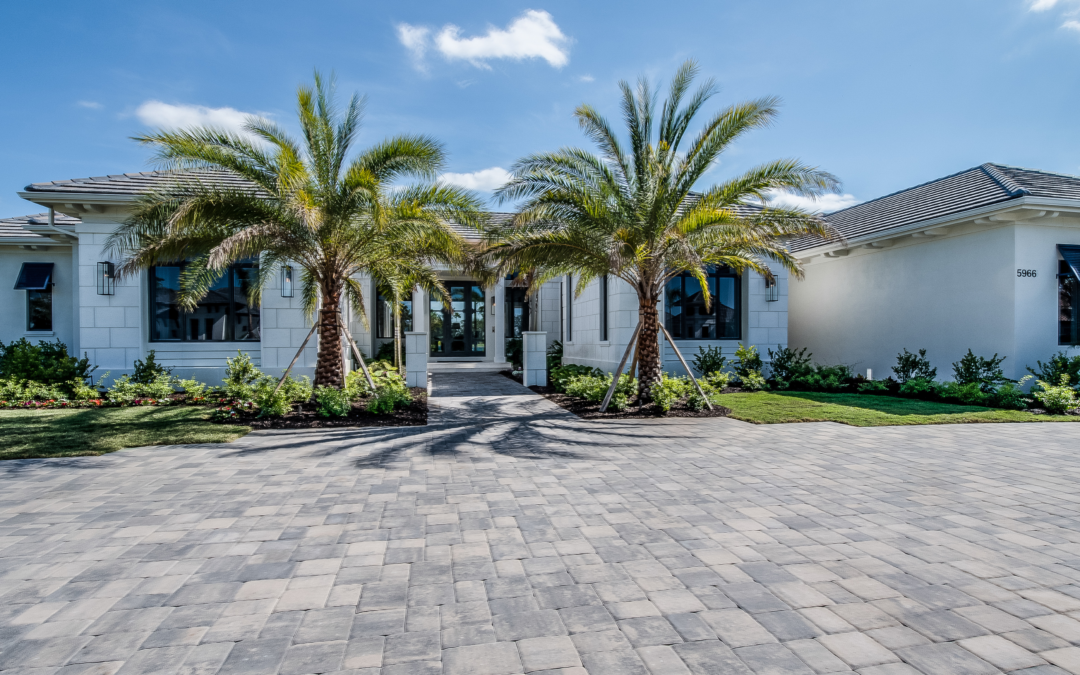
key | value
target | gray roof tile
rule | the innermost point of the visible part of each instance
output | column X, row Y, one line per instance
column 15, row 228
column 974, row 188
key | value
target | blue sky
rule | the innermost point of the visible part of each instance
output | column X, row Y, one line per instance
column 883, row 94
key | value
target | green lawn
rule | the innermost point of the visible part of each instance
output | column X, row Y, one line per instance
column 866, row 411
column 70, row 433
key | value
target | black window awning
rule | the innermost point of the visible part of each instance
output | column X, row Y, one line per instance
column 1071, row 255
column 34, row 277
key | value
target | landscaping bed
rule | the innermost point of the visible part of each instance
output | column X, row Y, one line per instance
column 306, row 416
column 590, row 410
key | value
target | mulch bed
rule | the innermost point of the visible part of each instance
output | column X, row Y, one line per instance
column 304, row 416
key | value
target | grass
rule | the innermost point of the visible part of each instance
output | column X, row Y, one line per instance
column 28, row 434
column 866, row 411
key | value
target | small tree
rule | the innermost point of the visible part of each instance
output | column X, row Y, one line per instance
column 987, row 373
column 913, row 367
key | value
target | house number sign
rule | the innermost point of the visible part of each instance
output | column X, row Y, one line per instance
column 1025, row 273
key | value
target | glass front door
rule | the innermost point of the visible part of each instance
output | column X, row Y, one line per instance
column 459, row 329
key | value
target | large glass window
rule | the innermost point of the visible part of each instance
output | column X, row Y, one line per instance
column 569, row 308
column 384, row 314
column 39, row 310
column 686, row 316
column 517, row 312
column 1068, row 305
column 603, row 308
column 223, row 315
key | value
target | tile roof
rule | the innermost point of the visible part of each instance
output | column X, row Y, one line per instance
column 133, row 184
column 15, row 228
column 977, row 187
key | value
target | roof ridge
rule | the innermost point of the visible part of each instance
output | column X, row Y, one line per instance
column 907, row 189
column 1007, row 183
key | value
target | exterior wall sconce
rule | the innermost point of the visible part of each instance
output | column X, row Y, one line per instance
column 493, row 305
column 772, row 290
column 286, row 281
column 106, row 278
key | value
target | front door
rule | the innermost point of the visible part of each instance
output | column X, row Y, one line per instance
column 459, row 329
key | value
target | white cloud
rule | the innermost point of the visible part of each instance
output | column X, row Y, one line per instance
column 414, row 38
column 1042, row 5
column 533, row 35
column 168, row 116
column 93, row 105
column 824, row 204
column 586, row 78
column 484, row 180
column 1072, row 24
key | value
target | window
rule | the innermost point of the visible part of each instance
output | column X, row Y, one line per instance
column 384, row 314
column 517, row 312
column 1068, row 305
column 223, row 315
column 686, row 316
column 569, row 308
column 603, row 308
column 36, row 280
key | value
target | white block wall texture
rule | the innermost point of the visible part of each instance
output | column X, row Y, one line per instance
column 534, row 357
column 764, row 324
column 416, row 349
column 943, row 294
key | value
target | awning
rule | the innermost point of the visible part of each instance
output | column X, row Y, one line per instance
column 34, row 277
column 1071, row 254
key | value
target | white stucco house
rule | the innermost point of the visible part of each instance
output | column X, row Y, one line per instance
column 986, row 259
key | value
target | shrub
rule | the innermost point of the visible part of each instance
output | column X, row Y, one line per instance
column 29, row 390
column 969, row 393
column 388, row 397
column 296, row 391
column 271, row 403
column 148, row 371
column 788, row 364
column 46, row 363
column 669, row 391
column 554, row 355
column 825, row 378
column 911, row 366
column 124, row 390
column 594, row 387
column 560, row 375
column 1010, row 395
column 382, row 374
column 1057, row 399
column 193, row 388
column 875, row 388
column 240, row 377
column 973, row 369
column 712, row 384
column 161, row 387
column 747, row 360
column 1059, row 364
column 919, row 387
column 332, row 402
column 753, row 381
column 709, row 360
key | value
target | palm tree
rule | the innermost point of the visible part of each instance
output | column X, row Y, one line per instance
column 634, row 212
column 308, row 203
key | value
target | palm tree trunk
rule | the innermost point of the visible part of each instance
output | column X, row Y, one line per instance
column 648, row 348
column 329, row 364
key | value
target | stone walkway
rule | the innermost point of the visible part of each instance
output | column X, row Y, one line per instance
column 510, row 537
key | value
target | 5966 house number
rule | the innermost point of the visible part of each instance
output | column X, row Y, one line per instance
column 1026, row 273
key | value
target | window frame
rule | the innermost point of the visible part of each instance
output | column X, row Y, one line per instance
column 603, row 287
column 45, row 293
column 381, row 320
column 184, row 317
column 723, row 272
column 569, row 337
column 1066, row 276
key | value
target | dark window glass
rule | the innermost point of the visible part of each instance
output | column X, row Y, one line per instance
column 686, row 316
column 384, row 314
column 1068, row 306
column 223, row 315
column 39, row 310
column 569, row 308
column 603, row 308
column 517, row 312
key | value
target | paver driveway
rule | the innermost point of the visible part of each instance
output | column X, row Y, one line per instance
column 484, row 544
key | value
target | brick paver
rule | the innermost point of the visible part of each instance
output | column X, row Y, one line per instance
column 510, row 537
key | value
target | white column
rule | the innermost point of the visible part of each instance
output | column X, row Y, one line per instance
column 416, row 359
column 534, row 355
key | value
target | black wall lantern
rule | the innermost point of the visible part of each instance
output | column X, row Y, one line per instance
column 286, row 281
column 106, row 278
column 772, row 290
